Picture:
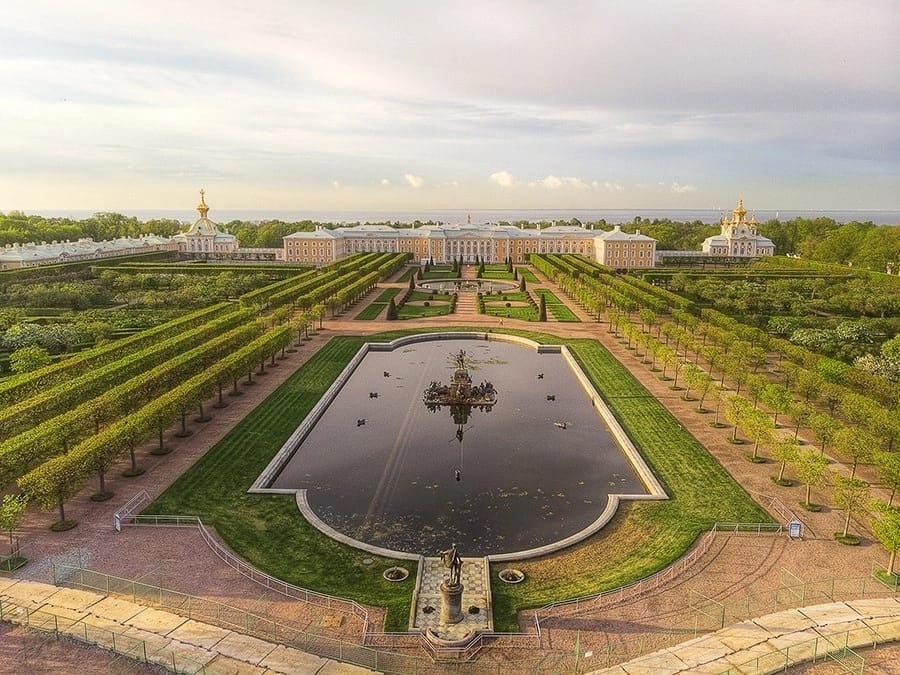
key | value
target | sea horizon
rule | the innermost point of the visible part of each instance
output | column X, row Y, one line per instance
column 449, row 216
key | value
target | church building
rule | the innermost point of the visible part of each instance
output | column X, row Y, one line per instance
column 204, row 239
column 739, row 237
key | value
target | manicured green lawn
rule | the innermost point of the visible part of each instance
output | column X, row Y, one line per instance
column 495, row 305
column 496, row 272
column 557, row 307
column 378, row 305
column 528, row 275
column 439, row 272
column 439, row 304
column 268, row 531
column 410, row 271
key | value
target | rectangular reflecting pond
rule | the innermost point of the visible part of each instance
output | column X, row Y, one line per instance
column 535, row 468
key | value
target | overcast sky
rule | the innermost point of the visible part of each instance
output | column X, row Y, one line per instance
column 482, row 104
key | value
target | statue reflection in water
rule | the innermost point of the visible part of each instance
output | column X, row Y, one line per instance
column 462, row 397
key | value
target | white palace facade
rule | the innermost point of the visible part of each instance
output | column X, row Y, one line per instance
column 443, row 243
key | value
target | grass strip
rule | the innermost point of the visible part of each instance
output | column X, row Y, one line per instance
column 520, row 307
column 557, row 307
column 378, row 305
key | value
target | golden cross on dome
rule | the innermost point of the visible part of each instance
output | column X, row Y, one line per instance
column 202, row 207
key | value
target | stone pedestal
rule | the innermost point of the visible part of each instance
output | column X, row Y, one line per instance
column 451, row 603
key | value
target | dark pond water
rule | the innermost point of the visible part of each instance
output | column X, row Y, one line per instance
column 523, row 480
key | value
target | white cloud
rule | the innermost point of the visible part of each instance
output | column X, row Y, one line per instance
column 678, row 188
column 552, row 182
column 414, row 181
column 502, row 178
column 613, row 186
column 385, row 181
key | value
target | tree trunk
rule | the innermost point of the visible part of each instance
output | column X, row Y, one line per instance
column 891, row 500
column 62, row 511
column 162, row 448
column 102, row 483
column 249, row 376
column 220, row 403
column 853, row 470
column 781, row 471
column 891, row 562
column 808, row 488
column 847, row 523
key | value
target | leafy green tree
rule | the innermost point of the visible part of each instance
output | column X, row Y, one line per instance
column 800, row 414
column 648, row 318
column 885, row 525
column 28, row 359
column 736, row 409
column 778, row 399
column 850, row 495
column 824, row 429
column 784, row 449
column 738, row 373
column 692, row 376
column 51, row 485
column 754, row 387
column 759, row 427
column 811, row 468
column 888, row 464
column 856, row 445
column 12, row 510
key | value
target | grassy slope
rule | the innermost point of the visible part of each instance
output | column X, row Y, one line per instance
column 268, row 531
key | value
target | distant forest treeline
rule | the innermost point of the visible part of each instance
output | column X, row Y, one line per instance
column 821, row 239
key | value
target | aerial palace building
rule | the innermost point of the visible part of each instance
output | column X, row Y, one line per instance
column 470, row 243
column 739, row 237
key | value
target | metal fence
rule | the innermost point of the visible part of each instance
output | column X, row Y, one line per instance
column 17, row 557
column 112, row 640
column 831, row 648
column 126, row 517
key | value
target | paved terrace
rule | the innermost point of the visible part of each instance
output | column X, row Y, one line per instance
column 758, row 646
column 151, row 635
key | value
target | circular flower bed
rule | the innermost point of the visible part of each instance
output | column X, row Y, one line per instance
column 395, row 573
column 511, row 576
